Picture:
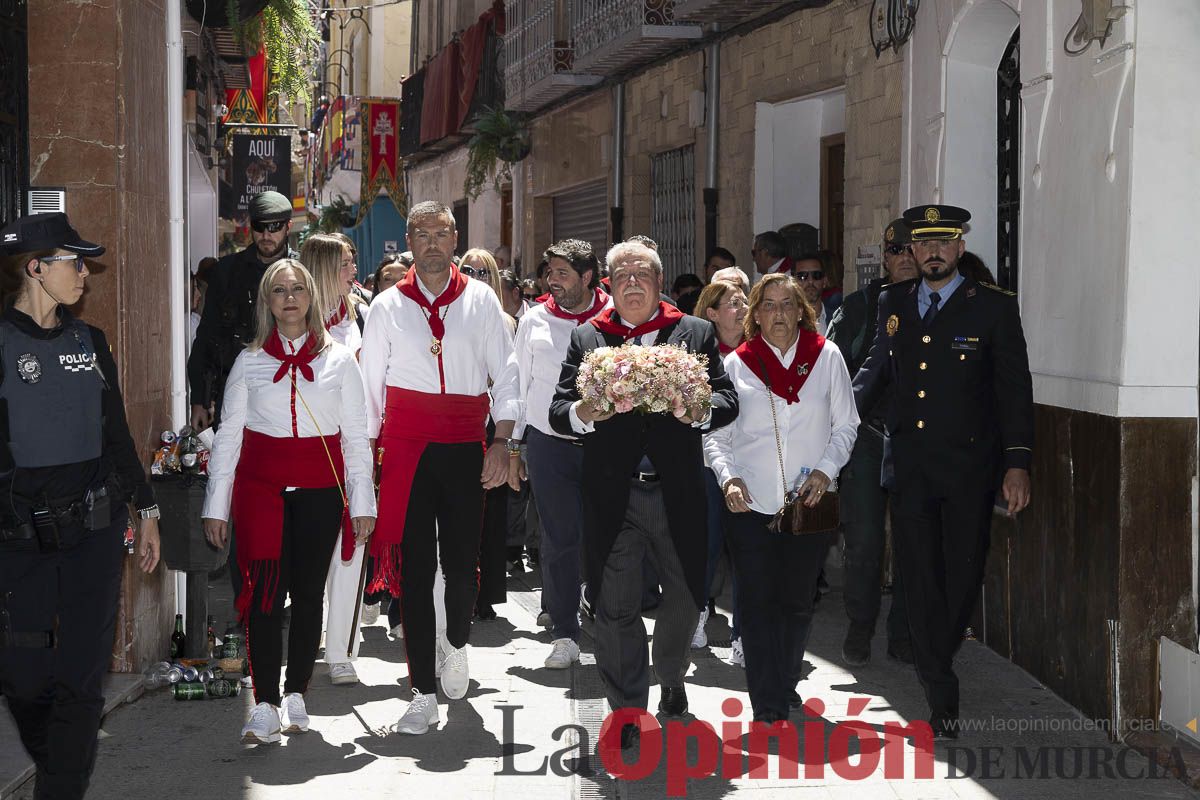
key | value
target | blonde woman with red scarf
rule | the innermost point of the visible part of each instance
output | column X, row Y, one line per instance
column 796, row 408
column 293, row 464
column 331, row 261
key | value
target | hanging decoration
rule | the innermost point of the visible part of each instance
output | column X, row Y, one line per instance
column 381, row 154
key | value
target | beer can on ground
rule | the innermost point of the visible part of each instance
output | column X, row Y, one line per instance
column 233, row 645
column 175, row 674
column 223, row 688
column 191, row 674
column 189, row 691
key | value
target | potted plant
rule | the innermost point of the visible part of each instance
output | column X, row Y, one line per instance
column 285, row 29
column 501, row 139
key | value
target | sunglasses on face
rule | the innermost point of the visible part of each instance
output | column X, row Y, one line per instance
column 896, row 249
column 268, row 227
column 482, row 273
column 79, row 262
column 815, row 275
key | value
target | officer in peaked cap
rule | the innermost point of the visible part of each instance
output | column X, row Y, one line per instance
column 68, row 472
column 959, row 427
column 227, row 322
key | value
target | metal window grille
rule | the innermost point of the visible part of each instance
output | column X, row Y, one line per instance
column 673, row 210
column 1008, row 172
column 14, row 110
column 583, row 214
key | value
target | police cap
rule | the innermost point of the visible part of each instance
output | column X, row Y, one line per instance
column 897, row 233
column 270, row 207
column 936, row 222
column 45, row 232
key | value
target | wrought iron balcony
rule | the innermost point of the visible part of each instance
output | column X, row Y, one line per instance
column 731, row 12
column 538, row 62
column 611, row 35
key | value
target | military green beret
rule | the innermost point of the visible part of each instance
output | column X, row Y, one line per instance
column 897, row 232
column 270, row 207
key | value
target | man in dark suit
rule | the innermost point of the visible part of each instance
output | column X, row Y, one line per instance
column 642, row 474
column 769, row 253
column 960, row 424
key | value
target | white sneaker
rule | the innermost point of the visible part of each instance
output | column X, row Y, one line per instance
column 736, row 657
column 370, row 614
column 420, row 714
column 263, row 725
column 397, row 632
column 455, row 674
column 342, row 674
column 293, row 713
column 700, row 637
column 565, row 653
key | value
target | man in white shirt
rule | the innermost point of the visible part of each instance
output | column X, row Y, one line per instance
column 658, row 510
column 556, row 461
column 429, row 351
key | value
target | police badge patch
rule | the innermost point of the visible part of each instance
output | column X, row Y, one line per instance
column 893, row 325
column 29, row 368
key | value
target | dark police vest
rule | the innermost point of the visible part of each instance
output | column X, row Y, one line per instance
column 53, row 389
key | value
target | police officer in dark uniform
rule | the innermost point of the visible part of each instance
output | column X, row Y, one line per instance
column 68, row 467
column 227, row 324
column 960, row 425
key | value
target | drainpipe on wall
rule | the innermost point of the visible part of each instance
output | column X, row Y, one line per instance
column 177, row 257
column 713, row 123
column 617, row 212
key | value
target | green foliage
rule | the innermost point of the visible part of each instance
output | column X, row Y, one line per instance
column 501, row 139
column 333, row 218
column 286, row 30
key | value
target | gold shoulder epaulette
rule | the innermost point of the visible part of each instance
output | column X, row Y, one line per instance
column 996, row 288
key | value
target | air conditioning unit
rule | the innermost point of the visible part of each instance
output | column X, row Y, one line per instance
column 46, row 200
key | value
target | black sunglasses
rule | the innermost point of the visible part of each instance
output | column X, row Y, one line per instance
column 815, row 275
column 896, row 249
column 268, row 227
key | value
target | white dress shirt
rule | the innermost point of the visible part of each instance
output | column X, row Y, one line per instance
column 817, row 432
column 347, row 333
column 478, row 345
column 255, row 401
column 542, row 342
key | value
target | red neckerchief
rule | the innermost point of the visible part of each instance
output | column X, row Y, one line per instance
column 273, row 347
column 724, row 348
column 598, row 302
column 542, row 298
column 338, row 316
column 667, row 315
column 763, row 362
column 454, row 288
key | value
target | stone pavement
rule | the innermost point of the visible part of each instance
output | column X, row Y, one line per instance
column 158, row 747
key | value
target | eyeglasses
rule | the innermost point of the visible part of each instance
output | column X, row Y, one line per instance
column 815, row 275
column 268, row 227
column 480, row 273
column 896, row 249
column 80, row 264
column 736, row 305
column 640, row 276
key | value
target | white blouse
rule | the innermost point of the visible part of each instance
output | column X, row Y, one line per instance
column 478, row 345
column 817, row 432
column 253, row 400
column 346, row 332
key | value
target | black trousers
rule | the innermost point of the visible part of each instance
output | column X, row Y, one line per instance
column 55, row 693
column 312, row 523
column 444, row 518
column 776, row 583
column 941, row 547
column 493, row 577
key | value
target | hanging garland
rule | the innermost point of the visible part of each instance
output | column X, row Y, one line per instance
column 286, row 30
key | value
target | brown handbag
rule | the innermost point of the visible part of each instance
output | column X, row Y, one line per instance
column 795, row 517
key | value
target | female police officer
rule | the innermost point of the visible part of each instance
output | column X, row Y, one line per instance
column 67, row 468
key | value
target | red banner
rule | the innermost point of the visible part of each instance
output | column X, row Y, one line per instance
column 381, row 154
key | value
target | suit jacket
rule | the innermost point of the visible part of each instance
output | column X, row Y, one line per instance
column 962, row 406
column 612, row 452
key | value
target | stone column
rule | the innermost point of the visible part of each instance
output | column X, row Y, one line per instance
column 97, row 127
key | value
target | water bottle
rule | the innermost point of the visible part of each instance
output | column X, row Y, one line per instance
column 804, row 473
column 156, row 675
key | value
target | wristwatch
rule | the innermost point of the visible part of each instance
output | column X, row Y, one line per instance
column 513, row 447
column 150, row 512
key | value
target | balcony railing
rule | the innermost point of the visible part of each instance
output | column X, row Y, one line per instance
column 611, row 35
column 538, row 63
column 731, row 12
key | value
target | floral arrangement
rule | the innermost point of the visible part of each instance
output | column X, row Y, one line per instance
column 650, row 380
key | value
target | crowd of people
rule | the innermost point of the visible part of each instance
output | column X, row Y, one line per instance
column 442, row 368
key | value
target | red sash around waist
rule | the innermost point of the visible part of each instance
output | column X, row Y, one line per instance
column 267, row 466
column 412, row 420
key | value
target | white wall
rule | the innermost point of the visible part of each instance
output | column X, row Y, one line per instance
column 787, row 158
column 389, row 48
column 1109, row 307
column 201, row 210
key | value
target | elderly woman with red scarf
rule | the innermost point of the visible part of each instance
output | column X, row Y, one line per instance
column 293, row 463
column 797, row 427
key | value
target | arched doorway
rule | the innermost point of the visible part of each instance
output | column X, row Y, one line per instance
column 14, row 110
column 980, row 41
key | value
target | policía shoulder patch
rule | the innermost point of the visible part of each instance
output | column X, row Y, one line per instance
column 29, row 368
column 998, row 289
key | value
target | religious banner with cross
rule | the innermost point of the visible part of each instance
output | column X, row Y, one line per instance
column 381, row 154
